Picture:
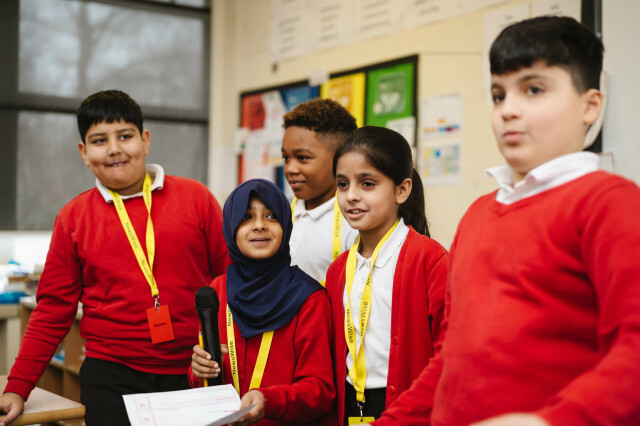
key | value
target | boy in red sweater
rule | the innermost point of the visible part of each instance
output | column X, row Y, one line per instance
column 544, row 299
column 137, row 287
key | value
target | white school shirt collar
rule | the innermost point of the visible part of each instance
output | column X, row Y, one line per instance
column 390, row 247
column 549, row 175
column 314, row 213
column 156, row 173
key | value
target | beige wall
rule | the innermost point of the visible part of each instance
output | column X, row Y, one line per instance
column 450, row 60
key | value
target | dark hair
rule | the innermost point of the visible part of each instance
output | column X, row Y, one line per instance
column 389, row 152
column 326, row 117
column 560, row 41
column 108, row 106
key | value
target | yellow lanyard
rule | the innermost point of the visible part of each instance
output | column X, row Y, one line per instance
column 146, row 267
column 336, row 247
column 261, row 362
column 358, row 370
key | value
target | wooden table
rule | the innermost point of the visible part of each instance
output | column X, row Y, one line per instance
column 45, row 407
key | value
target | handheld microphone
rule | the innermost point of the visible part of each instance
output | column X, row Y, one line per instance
column 207, row 305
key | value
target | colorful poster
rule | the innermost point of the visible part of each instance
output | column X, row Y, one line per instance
column 349, row 92
column 440, row 116
column 298, row 95
column 439, row 162
column 253, row 112
column 390, row 94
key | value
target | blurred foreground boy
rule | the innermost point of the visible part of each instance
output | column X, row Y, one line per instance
column 137, row 288
column 544, row 309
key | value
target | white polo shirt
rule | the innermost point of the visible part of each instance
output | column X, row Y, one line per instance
column 311, row 241
column 546, row 176
column 378, row 333
column 156, row 173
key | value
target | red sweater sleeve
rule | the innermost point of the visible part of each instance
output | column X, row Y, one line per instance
column 57, row 296
column 313, row 391
column 414, row 406
column 607, row 393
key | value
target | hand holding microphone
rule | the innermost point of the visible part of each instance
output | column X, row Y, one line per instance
column 207, row 305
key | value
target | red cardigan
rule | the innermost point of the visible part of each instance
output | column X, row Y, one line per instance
column 545, row 311
column 417, row 310
column 90, row 260
column 298, row 379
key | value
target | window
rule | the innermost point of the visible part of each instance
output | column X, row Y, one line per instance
column 59, row 52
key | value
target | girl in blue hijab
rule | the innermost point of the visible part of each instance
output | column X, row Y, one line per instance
column 274, row 319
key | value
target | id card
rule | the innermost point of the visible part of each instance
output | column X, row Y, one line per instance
column 360, row 420
column 160, row 324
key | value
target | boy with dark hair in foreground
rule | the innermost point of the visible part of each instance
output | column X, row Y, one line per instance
column 544, row 308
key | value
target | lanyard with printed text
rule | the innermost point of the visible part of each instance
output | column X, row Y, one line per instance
column 159, row 317
column 146, row 267
column 358, row 370
column 261, row 362
column 336, row 246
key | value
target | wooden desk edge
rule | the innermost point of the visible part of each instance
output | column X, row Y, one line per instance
column 48, row 416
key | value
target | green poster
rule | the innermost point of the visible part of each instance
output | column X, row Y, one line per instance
column 390, row 94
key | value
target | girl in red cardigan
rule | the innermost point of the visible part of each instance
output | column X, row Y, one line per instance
column 387, row 292
column 277, row 314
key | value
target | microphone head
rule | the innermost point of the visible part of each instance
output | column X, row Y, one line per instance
column 207, row 298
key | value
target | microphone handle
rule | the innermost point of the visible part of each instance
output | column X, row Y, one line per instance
column 211, row 340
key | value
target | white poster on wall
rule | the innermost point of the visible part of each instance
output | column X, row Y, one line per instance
column 439, row 161
column 570, row 8
column 473, row 5
column 376, row 18
column 289, row 34
column 331, row 23
column 440, row 116
column 423, row 12
column 494, row 22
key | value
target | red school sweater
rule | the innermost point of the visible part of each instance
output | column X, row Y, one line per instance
column 90, row 260
column 543, row 310
column 417, row 310
column 298, row 379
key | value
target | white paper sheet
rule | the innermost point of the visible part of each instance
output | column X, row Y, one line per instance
column 191, row 407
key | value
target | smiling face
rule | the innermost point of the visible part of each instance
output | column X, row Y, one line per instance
column 368, row 199
column 539, row 115
column 308, row 165
column 259, row 235
column 116, row 154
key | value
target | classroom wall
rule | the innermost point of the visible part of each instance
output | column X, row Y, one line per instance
column 621, row 61
column 450, row 60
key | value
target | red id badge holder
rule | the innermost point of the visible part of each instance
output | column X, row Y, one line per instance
column 160, row 324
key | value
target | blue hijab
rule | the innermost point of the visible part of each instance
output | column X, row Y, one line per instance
column 263, row 294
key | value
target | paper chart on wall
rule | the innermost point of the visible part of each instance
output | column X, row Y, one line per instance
column 440, row 116
column 406, row 127
column 570, row 8
column 424, row 12
column 440, row 162
column 494, row 22
column 376, row 18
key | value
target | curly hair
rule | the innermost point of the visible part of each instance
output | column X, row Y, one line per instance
column 323, row 116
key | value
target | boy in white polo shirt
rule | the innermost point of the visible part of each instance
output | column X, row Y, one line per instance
column 313, row 132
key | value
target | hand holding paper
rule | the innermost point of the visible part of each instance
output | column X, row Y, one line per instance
column 254, row 399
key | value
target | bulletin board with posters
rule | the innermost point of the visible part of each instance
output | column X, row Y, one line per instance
column 382, row 94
